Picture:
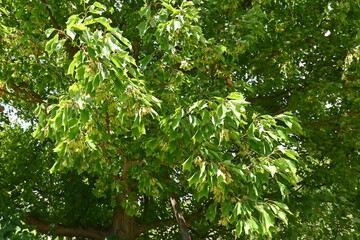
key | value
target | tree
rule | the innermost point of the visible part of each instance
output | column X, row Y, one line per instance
column 161, row 119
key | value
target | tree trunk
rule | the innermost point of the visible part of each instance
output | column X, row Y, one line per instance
column 124, row 225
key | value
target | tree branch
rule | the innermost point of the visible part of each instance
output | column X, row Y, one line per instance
column 136, row 47
column 170, row 222
column 16, row 95
column 107, row 119
column 31, row 92
column 247, row 3
column 287, row 93
column 326, row 122
column 180, row 218
column 45, row 228
column 70, row 49
column 35, row 98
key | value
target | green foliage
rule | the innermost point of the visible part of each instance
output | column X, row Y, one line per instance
column 11, row 225
column 247, row 110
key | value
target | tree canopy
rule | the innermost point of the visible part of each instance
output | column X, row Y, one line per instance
column 166, row 119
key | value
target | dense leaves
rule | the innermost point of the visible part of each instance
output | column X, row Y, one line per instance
column 245, row 113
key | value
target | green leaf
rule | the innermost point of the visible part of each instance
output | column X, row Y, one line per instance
column 112, row 43
column 291, row 154
column 74, row 132
column 235, row 96
column 204, row 192
column 171, row 8
column 58, row 120
column 145, row 61
column 71, row 33
column 188, row 163
column 116, row 62
column 55, row 167
column 60, row 148
column 103, row 21
column 49, row 31
column 49, row 45
column 74, row 90
column 79, row 26
column 142, row 28
column 239, row 209
column 145, row 11
column 211, row 212
column 84, row 116
column 221, row 111
column 267, row 219
column 175, row 25
column 297, row 127
column 99, row 5
column 92, row 53
column 205, row 115
column 283, row 189
column 186, row 4
column 251, row 130
column 138, row 126
column 72, row 19
column 119, row 36
column 91, row 143
column 282, row 216
column 239, row 228
column 283, row 206
column 71, row 68
column 219, row 49
column 194, row 179
column 80, row 56
column 80, row 72
column 271, row 169
column 226, row 210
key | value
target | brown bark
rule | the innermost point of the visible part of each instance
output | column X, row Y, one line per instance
column 70, row 49
column 329, row 121
column 246, row 4
column 15, row 95
column 180, row 218
column 33, row 96
column 45, row 228
column 136, row 48
column 124, row 225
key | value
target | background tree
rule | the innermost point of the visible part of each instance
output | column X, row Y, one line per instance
column 161, row 119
